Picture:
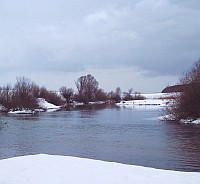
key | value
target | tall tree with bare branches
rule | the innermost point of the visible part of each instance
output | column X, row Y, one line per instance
column 87, row 88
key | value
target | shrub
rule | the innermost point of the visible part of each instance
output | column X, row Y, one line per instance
column 6, row 94
column 67, row 93
column 24, row 94
column 187, row 103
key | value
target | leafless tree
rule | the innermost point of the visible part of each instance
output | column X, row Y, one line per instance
column 113, row 97
column 22, row 94
column 118, row 93
column 187, row 103
column 101, row 95
column 138, row 96
column 6, row 94
column 127, row 95
column 87, row 88
column 50, row 96
column 67, row 93
column 54, row 98
column 131, row 95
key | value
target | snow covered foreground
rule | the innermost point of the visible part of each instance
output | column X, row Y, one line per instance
column 48, row 169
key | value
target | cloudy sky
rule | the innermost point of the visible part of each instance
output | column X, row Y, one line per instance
column 144, row 44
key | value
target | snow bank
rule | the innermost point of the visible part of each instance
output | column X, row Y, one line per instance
column 42, row 104
column 40, row 169
column 170, row 117
column 97, row 103
column 197, row 121
column 167, row 117
column 190, row 121
column 24, row 111
column 157, row 95
column 146, row 102
column 46, row 105
column 89, row 103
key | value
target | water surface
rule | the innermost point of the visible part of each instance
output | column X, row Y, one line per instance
column 130, row 136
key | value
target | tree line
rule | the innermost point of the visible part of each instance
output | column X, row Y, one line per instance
column 24, row 93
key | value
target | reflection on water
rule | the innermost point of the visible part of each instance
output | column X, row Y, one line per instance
column 185, row 139
column 131, row 136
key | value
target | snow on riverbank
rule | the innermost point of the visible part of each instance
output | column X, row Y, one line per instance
column 146, row 102
column 170, row 117
column 167, row 117
column 43, row 105
column 23, row 111
column 188, row 121
column 47, row 106
column 40, row 169
column 157, row 95
column 154, row 99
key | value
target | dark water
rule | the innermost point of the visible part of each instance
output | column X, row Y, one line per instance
column 122, row 135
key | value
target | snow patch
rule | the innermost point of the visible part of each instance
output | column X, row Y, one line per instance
column 146, row 102
column 40, row 169
column 171, row 117
column 23, row 111
column 157, row 95
column 46, row 105
column 190, row 121
column 168, row 117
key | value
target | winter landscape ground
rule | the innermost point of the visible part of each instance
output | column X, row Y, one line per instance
column 40, row 169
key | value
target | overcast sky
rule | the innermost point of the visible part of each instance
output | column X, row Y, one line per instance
column 143, row 44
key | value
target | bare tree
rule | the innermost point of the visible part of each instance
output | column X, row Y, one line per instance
column 127, row 95
column 50, row 96
column 6, row 94
column 54, row 98
column 138, row 96
column 101, row 95
column 131, row 95
column 67, row 93
column 87, row 88
column 113, row 97
column 22, row 95
column 118, row 93
column 187, row 103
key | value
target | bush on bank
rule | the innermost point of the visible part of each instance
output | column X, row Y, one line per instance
column 187, row 103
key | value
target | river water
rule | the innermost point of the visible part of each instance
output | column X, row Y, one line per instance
column 129, row 136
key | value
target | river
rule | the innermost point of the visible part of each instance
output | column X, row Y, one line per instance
column 124, row 135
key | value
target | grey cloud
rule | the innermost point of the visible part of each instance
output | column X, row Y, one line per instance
column 63, row 35
column 194, row 4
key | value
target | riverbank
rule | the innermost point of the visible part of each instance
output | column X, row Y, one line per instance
column 40, row 169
